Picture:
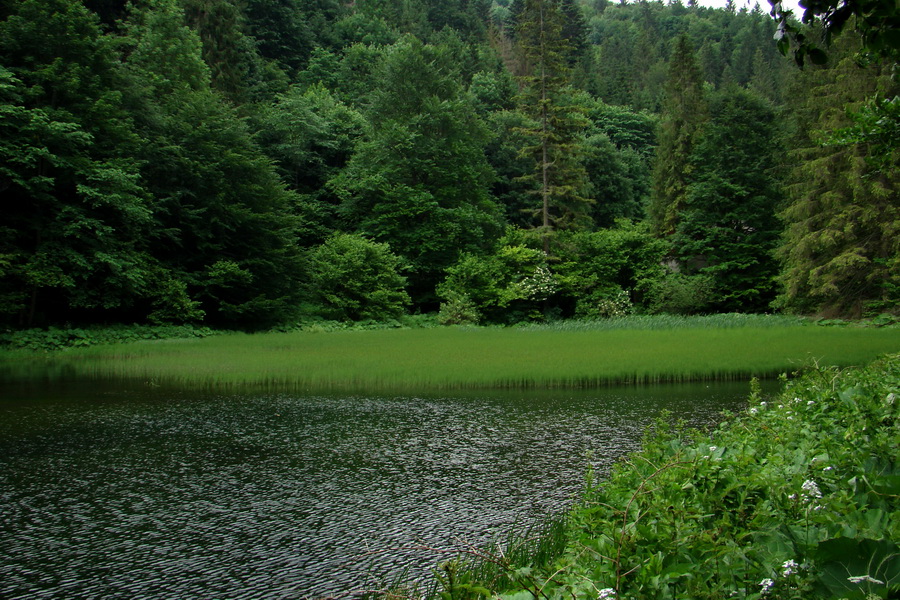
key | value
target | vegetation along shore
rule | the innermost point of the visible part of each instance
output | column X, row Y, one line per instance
column 798, row 497
column 567, row 354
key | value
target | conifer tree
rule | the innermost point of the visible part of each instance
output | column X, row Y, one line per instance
column 559, row 175
column 841, row 248
column 728, row 229
column 684, row 113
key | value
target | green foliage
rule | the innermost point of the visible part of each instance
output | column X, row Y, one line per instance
column 684, row 113
column 507, row 286
column 458, row 309
column 680, row 294
column 76, row 213
column 840, row 248
column 310, row 135
column 419, row 179
column 796, row 498
column 875, row 22
column 223, row 225
column 728, row 227
column 54, row 339
column 876, row 124
column 354, row 279
column 558, row 177
column 596, row 267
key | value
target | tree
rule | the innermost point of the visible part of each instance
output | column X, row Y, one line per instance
column 728, row 227
column 75, row 209
column 840, row 251
column 618, row 152
column 419, row 179
column 223, row 222
column 559, row 176
column 877, row 23
column 287, row 31
column 684, row 113
column 310, row 135
column 352, row 279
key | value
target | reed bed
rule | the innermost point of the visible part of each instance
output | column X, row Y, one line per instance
column 480, row 358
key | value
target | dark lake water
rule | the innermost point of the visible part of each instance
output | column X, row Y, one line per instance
column 110, row 490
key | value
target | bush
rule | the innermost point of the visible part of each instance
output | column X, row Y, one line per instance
column 354, row 279
column 458, row 309
column 507, row 286
column 598, row 266
column 679, row 294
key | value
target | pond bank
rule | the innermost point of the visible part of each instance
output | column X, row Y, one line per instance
column 796, row 497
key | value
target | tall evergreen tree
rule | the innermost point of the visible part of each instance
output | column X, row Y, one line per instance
column 728, row 228
column 559, row 176
column 841, row 248
column 684, row 114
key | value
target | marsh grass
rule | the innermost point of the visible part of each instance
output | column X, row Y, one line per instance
column 577, row 355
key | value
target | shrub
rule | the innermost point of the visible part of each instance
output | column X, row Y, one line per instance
column 594, row 267
column 509, row 285
column 458, row 309
column 354, row 279
column 679, row 294
column 799, row 497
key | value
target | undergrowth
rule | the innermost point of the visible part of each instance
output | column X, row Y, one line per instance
column 58, row 338
column 799, row 497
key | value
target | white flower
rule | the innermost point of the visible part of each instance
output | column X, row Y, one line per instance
column 713, row 448
column 792, row 497
column 766, row 585
column 810, row 490
column 754, row 410
column 781, row 406
column 810, row 402
column 763, row 404
column 826, row 469
column 606, row 593
column 861, row 578
column 789, row 567
column 797, row 400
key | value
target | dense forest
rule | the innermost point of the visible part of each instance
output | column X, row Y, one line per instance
column 253, row 163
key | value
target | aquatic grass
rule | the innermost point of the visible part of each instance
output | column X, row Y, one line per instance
column 477, row 358
column 644, row 322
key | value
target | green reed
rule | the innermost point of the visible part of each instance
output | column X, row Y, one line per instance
column 456, row 358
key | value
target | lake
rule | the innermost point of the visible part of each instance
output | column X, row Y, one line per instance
column 119, row 490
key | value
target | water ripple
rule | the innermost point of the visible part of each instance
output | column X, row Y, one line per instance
column 155, row 494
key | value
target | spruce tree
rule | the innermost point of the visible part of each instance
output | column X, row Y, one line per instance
column 684, row 113
column 559, row 176
column 841, row 248
column 728, row 229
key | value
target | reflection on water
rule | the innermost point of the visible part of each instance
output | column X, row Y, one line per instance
column 113, row 491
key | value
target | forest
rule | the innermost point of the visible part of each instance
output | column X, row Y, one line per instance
column 247, row 164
